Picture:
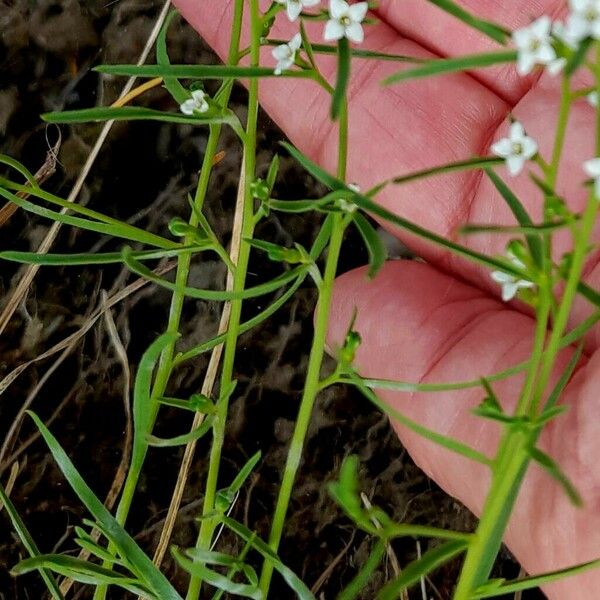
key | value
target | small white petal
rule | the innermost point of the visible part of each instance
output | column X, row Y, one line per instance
column 354, row 32
column 525, row 63
column 502, row 147
column 187, row 107
column 541, row 27
column 334, row 30
column 281, row 52
column 501, row 277
column 309, row 3
column 529, row 147
column 517, row 132
column 592, row 167
column 556, row 66
column 509, row 291
column 515, row 163
column 338, row 9
column 295, row 43
column 521, row 37
column 545, row 54
column 293, row 10
column 595, row 29
column 579, row 5
column 577, row 26
column 358, row 12
column 592, row 98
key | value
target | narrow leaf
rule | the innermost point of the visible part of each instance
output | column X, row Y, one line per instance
column 126, row 546
column 431, row 560
column 183, row 439
column 179, row 93
column 553, row 469
column 377, row 251
column 354, row 588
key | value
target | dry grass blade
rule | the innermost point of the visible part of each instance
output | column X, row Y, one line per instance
column 23, row 286
column 41, row 175
column 207, row 385
column 318, row 584
column 75, row 337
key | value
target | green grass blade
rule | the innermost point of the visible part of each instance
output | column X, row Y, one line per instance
column 217, row 580
column 126, row 546
column 518, row 210
column 100, row 224
column 553, row 469
column 139, row 113
column 100, row 258
column 143, row 404
column 432, row 436
column 527, row 583
column 492, row 30
column 353, row 589
column 182, row 440
column 251, row 292
column 20, row 168
column 432, row 559
column 198, row 71
column 179, row 93
column 343, row 77
column 293, row 581
column 377, row 251
column 527, row 230
column 368, row 205
column 444, row 66
column 27, row 541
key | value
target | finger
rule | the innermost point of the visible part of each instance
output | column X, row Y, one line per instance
column 418, row 325
column 419, row 124
column 443, row 34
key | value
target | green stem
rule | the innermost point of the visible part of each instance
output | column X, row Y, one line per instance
column 513, row 455
column 208, row 525
column 312, row 384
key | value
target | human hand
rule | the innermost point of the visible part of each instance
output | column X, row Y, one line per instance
column 442, row 320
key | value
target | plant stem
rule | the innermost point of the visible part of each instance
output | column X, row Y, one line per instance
column 513, row 455
column 208, row 524
column 312, row 384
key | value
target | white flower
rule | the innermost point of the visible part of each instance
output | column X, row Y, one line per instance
column 345, row 21
column 592, row 168
column 592, row 98
column 194, row 105
column 510, row 284
column 584, row 20
column 517, row 148
column 566, row 34
column 348, row 206
column 534, row 45
column 293, row 8
column 285, row 54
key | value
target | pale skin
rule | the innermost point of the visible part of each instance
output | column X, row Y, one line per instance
column 442, row 320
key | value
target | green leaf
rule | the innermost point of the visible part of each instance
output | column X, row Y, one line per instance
column 518, row 210
column 20, row 168
column 492, row 30
column 552, row 468
column 437, row 438
column 354, row 52
column 198, row 71
column 27, row 541
column 298, row 206
column 364, row 202
column 564, row 379
column 217, row 580
column 251, row 292
column 126, row 546
column 431, row 560
column 225, row 497
column 343, row 76
column 139, row 113
column 92, row 258
column 377, row 251
column 502, row 587
column 527, row 230
column 185, row 438
column 353, row 589
column 293, row 581
column 106, row 225
column 196, row 403
column 456, row 64
column 179, row 93
column 144, row 408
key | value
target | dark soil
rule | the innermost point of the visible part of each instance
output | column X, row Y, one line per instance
column 145, row 170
